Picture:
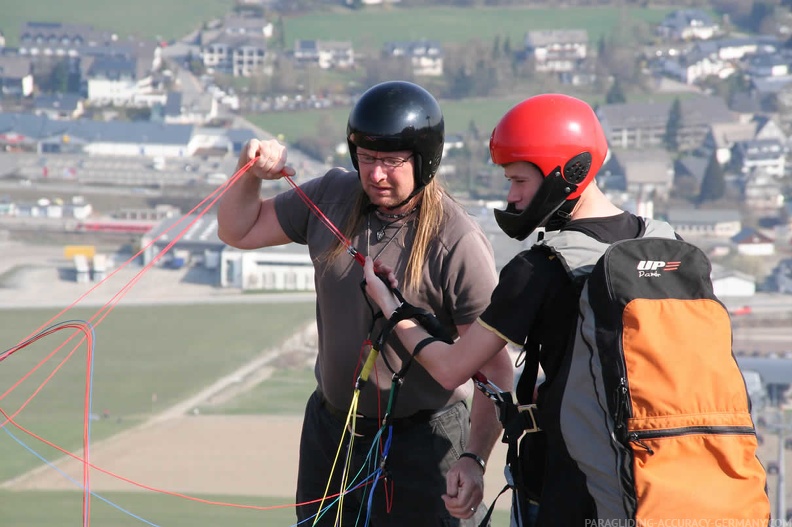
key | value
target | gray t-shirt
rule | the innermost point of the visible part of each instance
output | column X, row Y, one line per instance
column 458, row 278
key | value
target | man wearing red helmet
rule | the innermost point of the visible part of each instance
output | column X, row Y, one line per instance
column 550, row 148
column 392, row 208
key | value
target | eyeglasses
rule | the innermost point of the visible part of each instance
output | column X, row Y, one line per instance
column 390, row 162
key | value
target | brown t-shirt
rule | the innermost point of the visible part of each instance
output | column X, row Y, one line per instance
column 458, row 278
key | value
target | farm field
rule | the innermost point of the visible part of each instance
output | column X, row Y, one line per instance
column 145, row 360
column 366, row 28
column 156, row 460
column 174, row 18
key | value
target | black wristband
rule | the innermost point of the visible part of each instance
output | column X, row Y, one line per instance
column 421, row 345
column 478, row 459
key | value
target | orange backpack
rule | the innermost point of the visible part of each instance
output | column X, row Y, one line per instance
column 654, row 410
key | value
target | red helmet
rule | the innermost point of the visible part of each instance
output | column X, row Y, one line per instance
column 562, row 136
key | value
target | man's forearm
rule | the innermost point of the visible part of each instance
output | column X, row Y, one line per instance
column 485, row 426
column 239, row 209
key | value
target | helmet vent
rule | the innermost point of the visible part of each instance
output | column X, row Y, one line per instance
column 577, row 168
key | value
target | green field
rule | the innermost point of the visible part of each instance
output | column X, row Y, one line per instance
column 145, row 360
column 146, row 18
column 371, row 28
column 62, row 509
column 367, row 28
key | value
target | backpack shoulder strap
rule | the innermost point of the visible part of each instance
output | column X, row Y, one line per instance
column 577, row 251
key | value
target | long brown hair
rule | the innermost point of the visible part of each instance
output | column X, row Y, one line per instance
column 430, row 217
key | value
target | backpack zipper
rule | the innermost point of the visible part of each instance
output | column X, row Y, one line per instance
column 638, row 437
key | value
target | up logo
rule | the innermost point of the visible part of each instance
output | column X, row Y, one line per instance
column 652, row 267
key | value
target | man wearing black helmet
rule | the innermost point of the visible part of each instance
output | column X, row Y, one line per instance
column 550, row 148
column 394, row 210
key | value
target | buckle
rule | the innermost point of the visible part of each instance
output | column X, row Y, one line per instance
column 528, row 415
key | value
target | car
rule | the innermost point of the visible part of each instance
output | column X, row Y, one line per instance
column 742, row 310
column 788, row 443
column 772, row 467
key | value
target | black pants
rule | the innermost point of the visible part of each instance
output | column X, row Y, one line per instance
column 419, row 458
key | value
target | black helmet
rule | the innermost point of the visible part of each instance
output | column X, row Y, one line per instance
column 399, row 115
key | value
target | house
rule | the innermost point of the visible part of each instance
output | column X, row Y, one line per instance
column 731, row 283
column 643, row 125
column 58, row 106
column 762, row 191
column 112, row 80
column 56, row 39
column 751, row 242
column 687, row 24
column 767, row 156
column 556, row 50
column 16, row 76
column 767, row 65
column 689, row 172
column 696, row 66
column 645, row 174
column 723, row 137
column 737, row 48
column 283, row 268
column 236, row 55
column 326, row 54
column 425, row 56
column 189, row 108
column 706, row 223
column 236, row 45
column 122, row 74
column 782, row 276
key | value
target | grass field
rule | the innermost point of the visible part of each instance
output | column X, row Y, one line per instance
column 145, row 18
column 370, row 28
column 367, row 28
column 170, row 351
column 60, row 509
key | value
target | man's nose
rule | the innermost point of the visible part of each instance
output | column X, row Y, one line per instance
column 377, row 172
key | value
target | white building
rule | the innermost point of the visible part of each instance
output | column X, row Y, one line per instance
column 272, row 269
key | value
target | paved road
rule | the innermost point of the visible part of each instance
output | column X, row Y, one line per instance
column 39, row 276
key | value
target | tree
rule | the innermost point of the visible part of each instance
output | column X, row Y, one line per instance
column 673, row 125
column 615, row 94
column 713, row 185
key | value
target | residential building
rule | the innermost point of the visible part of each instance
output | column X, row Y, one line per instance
column 240, row 56
column 722, row 137
column 425, row 56
column 705, row 223
column 56, row 39
column 189, row 108
column 646, row 174
column 16, row 76
column 760, row 155
column 326, row 54
column 236, row 45
column 59, row 106
column 688, row 24
column 556, row 50
column 751, row 242
column 762, row 191
column 643, row 125
column 730, row 283
column 695, row 66
column 737, row 48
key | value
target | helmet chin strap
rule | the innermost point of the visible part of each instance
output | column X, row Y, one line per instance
column 562, row 216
